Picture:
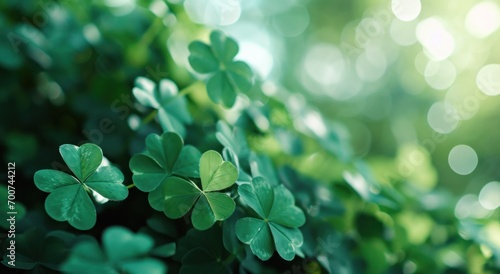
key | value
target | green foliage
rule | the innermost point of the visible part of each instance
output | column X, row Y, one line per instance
column 164, row 157
column 284, row 183
column 69, row 196
column 122, row 251
column 211, row 206
column 278, row 222
column 42, row 253
column 172, row 109
column 227, row 77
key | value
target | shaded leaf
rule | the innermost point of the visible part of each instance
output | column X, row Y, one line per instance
column 123, row 251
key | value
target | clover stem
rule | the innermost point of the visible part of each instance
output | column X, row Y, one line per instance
column 185, row 91
column 151, row 32
column 231, row 257
column 150, row 117
column 131, row 186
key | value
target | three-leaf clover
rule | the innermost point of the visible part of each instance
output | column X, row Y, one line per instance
column 123, row 252
column 278, row 222
column 226, row 75
column 211, row 206
column 69, row 195
column 172, row 109
column 164, row 157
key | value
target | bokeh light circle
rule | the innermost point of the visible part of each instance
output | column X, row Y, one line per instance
column 489, row 197
column 439, row 44
column 463, row 159
column 325, row 64
column 371, row 65
column 403, row 33
column 292, row 22
column 483, row 19
column 488, row 79
column 469, row 207
column 442, row 118
column 406, row 10
column 213, row 12
column 440, row 75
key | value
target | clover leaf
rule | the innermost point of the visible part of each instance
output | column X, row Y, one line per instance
column 165, row 156
column 172, row 109
column 278, row 222
column 227, row 77
column 211, row 206
column 69, row 196
column 233, row 139
column 122, row 252
column 262, row 166
column 235, row 150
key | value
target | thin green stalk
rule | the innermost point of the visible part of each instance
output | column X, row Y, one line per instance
column 231, row 257
column 150, row 117
column 185, row 91
column 131, row 186
column 151, row 32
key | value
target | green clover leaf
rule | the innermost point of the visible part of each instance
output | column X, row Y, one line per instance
column 69, row 196
column 227, row 76
column 164, row 157
column 172, row 109
column 180, row 194
column 262, row 166
column 277, row 227
column 122, row 252
column 236, row 148
column 233, row 139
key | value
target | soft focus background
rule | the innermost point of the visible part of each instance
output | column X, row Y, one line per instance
column 413, row 86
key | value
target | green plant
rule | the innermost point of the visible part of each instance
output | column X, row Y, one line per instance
column 69, row 198
column 222, row 177
column 122, row 251
column 180, row 194
column 278, row 222
column 227, row 77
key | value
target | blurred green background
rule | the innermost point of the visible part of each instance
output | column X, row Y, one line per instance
column 411, row 85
